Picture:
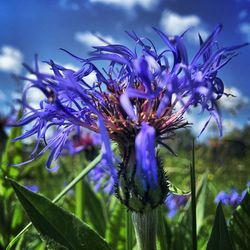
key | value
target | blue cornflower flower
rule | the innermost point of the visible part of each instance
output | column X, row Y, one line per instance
column 133, row 102
column 233, row 198
column 33, row 188
column 174, row 203
column 223, row 197
column 81, row 141
column 102, row 179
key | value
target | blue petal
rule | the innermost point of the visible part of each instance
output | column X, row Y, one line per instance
column 207, row 44
column 127, row 106
column 145, row 155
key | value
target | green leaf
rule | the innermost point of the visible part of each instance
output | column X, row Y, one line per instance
column 10, row 213
column 129, row 231
column 13, row 152
column 95, row 209
column 219, row 238
column 182, row 229
column 57, row 224
column 239, row 224
column 201, row 202
column 11, row 149
column 116, row 233
column 78, row 178
column 193, row 198
column 177, row 191
column 163, row 232
column 79, row 200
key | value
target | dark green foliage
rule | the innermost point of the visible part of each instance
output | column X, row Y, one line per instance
column 226, row 165
column 11, row 216
column 219, row 238
column 56, row 224
column 94, row 208
column 163, row 232
column 201, row 202
column 239, row 224
column 177, row 191
column 116, row 232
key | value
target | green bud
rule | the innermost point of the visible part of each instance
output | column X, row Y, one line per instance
column 134, row 191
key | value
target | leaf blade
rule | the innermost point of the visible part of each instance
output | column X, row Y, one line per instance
column 219, row 238
column 201, row 202
column 239, row 224
column 177, row 191
column 80, row 176
column 95, row 209
column 116, row 233
column 69, row 232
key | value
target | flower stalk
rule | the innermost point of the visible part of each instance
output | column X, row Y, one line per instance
column 145, row 225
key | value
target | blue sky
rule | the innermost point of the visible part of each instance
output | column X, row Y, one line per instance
column 43, row 26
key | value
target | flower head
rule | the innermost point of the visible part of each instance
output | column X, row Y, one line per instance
column 82, row 141
column 221, row 197
column 233, row 198
column 138, row 101
column 174, row 203
column 33, row 188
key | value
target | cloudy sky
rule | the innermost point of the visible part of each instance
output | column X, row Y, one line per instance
column 28, row 27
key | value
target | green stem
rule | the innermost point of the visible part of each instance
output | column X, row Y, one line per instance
column 145, row 225
column 129, row 229
column 193, row 199
column 79, row 199
column 79, row 189
column 161, row 233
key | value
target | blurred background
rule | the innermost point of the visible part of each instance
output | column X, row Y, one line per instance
column 29, row 27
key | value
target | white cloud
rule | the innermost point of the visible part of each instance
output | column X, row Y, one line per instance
column 199, row 120
column 244, row 28
column 129, row 4
column 34, row 95
column 233, row 103
column 91, row 39
column 70, row 66
column 10, row 59
column 16, row 95
column 229, row 125
column 175, row 24
column 91, row 78
column 46, row 68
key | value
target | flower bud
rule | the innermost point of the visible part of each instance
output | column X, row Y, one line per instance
column 135, row 191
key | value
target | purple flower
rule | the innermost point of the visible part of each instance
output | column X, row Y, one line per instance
column 174, row 203
column 33, row 188
column 233, row 198
column 223, row 197
column 102, row 179
column 245, row 191
column 133, row 102
column 81, row 141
